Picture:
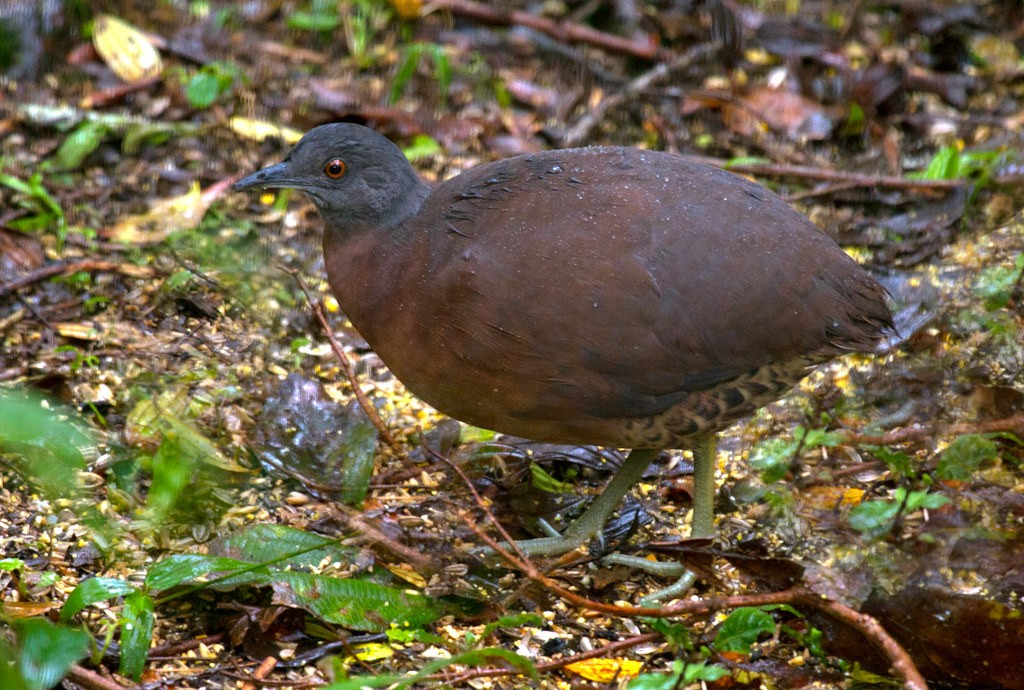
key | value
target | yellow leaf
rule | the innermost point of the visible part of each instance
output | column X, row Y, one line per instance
column 605, row 670
column 408, row 574
column 127, row 51
column 371, row 651
column 407, row 9
column 164, row 217
column 27, row 609
column 831, row 497
column 77, row 330
column 258, row 130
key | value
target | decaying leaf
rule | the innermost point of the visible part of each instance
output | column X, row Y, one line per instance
column 127, row 51
column 259, row 130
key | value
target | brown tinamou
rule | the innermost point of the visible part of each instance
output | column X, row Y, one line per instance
column 600, row 295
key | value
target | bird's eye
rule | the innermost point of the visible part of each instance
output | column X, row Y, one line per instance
column 335, row 168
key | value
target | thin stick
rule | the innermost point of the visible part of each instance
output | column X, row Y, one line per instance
column 346, row 366
column 566, row 32
column 580, row 131
column 91, row 265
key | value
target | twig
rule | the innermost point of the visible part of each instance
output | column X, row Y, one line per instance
column 94, row 681
column 557, row 664
column 178, row 648
column 260, row 674
column 487, row 511
column 581, row 130
column 356, row 521
column 871, row 629
column 565, row 32
column 99, row 99
column 93, row 265
column 346, row 366
column 898, row 658
column 1014, row 425
column 826, row 174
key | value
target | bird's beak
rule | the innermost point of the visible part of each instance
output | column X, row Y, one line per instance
column 276, row 176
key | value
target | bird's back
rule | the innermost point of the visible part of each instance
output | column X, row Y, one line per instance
column 608, row 295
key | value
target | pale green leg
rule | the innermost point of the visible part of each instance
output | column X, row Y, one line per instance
column 705, row 458
column 590, row 524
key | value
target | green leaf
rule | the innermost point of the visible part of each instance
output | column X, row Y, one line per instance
column 93, row 590
column 918, row 500
column 406, row 68
column 308, row 21
column 136, row 634
column 355, row 603
column 442, row 72
column 682, row 674
column 772, row 457
column 50, row 441
column 874, row 518
column 945, row 165
column 203, row 89
column 422, row 145
column 747, row 160
column 898, row 462
column 285, row 546
column 10, row 673
column 676, row 634
column 172, row 470
column 545, row 482
column 86, row 138
column 742, row 628
column 964, row 456
column 358, row 450
column 997, row 283
column 46, row 651
column 816, row 438
column 188, row 567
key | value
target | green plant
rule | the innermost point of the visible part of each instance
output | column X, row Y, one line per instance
column 953, row 163
column 83, row 140
column 683, row 674
column 362, row 23
column 322, row 15
column 997, row 284
column 41, row 655
column 43, row 212
column 964, row 456
column 210, row 82
column 410, row 60
column 877, row 518
column 263, row 556
column 774, row 457
column 80, row 360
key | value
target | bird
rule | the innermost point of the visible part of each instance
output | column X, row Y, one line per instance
column 603, row 295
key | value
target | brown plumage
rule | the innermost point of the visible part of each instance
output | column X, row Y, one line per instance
column 602, row 295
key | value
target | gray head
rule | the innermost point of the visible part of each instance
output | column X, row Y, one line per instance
column 352, row 174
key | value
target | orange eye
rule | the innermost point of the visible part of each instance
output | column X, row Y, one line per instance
column 335, row 168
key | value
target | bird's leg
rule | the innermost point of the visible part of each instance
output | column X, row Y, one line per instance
column 705, row 457
column 591, row 522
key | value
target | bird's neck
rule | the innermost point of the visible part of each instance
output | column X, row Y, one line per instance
column 365, row 262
